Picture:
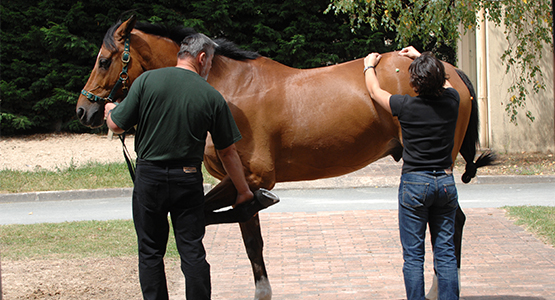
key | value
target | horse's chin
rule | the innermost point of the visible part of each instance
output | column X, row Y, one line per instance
column 93, row 126
column 92, row 122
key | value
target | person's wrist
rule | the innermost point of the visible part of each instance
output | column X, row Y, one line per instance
column 367, row 68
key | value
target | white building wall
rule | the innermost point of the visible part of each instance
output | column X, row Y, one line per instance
column 487, row 72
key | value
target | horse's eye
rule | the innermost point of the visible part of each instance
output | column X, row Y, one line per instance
column 104, row 63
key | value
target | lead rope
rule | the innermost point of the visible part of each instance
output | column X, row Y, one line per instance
column 130, row 165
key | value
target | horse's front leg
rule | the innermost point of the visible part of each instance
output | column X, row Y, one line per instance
column 252, row 238
column 460, row 219
column 223, row 195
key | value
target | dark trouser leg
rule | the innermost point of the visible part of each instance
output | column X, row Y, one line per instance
column 151, row 225
column 188, row 222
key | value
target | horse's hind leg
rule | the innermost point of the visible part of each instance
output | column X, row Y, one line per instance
column 460, row 219
column 252, row 238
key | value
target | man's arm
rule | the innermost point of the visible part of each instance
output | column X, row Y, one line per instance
column 234, row 168
column 376, row 92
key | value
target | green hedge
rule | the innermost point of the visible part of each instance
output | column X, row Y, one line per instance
column 49, row 47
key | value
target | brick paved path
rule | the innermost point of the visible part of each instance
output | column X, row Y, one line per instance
column 357, row 255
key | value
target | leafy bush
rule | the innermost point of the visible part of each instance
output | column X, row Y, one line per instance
column 49, row 46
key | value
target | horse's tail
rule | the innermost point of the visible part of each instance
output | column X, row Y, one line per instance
column 468, row 148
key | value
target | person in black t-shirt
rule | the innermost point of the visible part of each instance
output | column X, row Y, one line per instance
column 427, row 192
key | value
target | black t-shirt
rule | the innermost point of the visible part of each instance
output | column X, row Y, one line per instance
column 428, row 128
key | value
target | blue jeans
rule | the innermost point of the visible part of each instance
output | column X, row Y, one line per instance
column 428, row 197
column 160, row 190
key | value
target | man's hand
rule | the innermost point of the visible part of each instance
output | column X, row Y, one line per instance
column 107, row 108
column 111, row 125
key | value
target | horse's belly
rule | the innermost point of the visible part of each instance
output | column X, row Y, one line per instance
column 309, row 162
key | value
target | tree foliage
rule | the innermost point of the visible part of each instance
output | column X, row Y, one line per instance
column 49, row 46
column 433, row 24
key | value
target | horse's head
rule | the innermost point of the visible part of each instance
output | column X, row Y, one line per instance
column 115, row 68
column 129, row 49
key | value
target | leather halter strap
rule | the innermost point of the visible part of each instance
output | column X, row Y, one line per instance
column 122, row 80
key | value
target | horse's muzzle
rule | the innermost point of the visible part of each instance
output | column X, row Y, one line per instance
column 90, row 115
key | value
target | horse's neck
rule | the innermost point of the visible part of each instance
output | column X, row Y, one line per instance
column 156, row 52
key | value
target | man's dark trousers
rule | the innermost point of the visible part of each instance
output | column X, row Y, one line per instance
column 168, row 188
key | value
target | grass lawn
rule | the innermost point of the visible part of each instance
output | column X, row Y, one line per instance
column 89, row 176
column 539, row 220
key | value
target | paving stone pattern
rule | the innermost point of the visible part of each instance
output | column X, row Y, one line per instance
column 357, row 255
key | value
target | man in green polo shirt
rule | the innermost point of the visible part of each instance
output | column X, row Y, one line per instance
column 173, row 109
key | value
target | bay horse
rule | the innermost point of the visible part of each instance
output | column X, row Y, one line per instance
column 296, row 124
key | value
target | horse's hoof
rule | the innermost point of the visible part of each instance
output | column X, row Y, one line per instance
column 262, row 199
column 265, row 198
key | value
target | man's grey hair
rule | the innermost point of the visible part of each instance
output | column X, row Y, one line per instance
column 195, row 44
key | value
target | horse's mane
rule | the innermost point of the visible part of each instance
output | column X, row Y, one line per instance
column 177, row 34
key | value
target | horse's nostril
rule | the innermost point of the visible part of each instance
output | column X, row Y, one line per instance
column 82, row 115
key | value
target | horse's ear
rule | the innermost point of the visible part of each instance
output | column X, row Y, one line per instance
column 125, row 28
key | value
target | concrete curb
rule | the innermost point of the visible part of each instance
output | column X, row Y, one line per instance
column 339, row 182
column 72, row 195
column 513, row 179
column 66, row 195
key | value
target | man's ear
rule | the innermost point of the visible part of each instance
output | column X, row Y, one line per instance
column 201, row 58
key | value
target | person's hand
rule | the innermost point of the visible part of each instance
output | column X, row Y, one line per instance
column 409, row 52
column 372, row 60
column 244, row 197
column 107, row 108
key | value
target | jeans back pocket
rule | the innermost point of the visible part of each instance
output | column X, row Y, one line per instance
column 451, row 195
column 414, row 193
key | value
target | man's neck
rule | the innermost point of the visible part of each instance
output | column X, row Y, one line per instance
column 187, row 65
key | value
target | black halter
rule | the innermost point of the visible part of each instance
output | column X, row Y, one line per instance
column 122, row 81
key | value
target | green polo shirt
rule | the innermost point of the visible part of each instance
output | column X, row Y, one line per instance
column 174, row 109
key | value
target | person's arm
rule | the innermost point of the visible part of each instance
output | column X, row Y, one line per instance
column 108, row 116
column 234, row 168
column 376, row 92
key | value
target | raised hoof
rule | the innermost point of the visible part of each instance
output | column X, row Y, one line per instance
column 262, row 199
column 265, row 198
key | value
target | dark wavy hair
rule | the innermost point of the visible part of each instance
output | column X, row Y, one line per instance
column 427, row 75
